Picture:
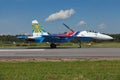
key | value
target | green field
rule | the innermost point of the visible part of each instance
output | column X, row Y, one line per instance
column 62, row 45
column 74, row 70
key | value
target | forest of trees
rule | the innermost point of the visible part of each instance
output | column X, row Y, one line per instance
column 12, row 38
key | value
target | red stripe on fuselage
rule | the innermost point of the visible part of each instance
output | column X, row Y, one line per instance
column 68, row 34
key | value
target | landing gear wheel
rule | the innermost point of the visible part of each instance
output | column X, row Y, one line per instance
column 52, row 45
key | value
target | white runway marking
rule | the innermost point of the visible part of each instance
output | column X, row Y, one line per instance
column 20, row 50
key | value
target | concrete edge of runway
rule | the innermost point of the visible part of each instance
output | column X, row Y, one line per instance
column 57, row 59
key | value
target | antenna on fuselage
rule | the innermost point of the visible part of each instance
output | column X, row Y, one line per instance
column 68, row 27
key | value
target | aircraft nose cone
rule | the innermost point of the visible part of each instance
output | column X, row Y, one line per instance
column 104, row 37
column 108, row 37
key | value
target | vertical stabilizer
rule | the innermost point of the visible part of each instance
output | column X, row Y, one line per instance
column 68, row 27
column 38, row 30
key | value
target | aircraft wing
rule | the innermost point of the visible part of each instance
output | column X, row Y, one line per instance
column 56, row 38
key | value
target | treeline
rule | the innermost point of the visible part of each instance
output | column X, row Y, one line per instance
column 116, row 37
column 12, row 38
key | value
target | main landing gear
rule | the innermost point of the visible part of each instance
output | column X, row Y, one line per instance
column 52, row 45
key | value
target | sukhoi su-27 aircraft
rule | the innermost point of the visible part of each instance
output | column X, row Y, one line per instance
column 40, row 35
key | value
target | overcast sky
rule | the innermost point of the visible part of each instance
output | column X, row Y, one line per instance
column 98, row 15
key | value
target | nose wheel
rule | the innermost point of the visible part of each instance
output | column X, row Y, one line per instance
column 52, row 45
column 79, row 45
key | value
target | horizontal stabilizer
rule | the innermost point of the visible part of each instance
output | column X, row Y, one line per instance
column 21, row 37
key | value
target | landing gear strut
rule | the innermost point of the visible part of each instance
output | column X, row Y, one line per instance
column 52, row 45
column 79, row 45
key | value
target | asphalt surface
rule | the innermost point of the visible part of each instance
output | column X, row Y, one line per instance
column 68, row 53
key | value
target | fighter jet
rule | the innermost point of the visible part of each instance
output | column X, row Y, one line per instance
column 40, row 35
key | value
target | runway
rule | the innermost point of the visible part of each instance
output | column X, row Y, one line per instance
column 68, row 53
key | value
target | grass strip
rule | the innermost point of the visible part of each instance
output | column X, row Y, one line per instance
column 72, row 70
